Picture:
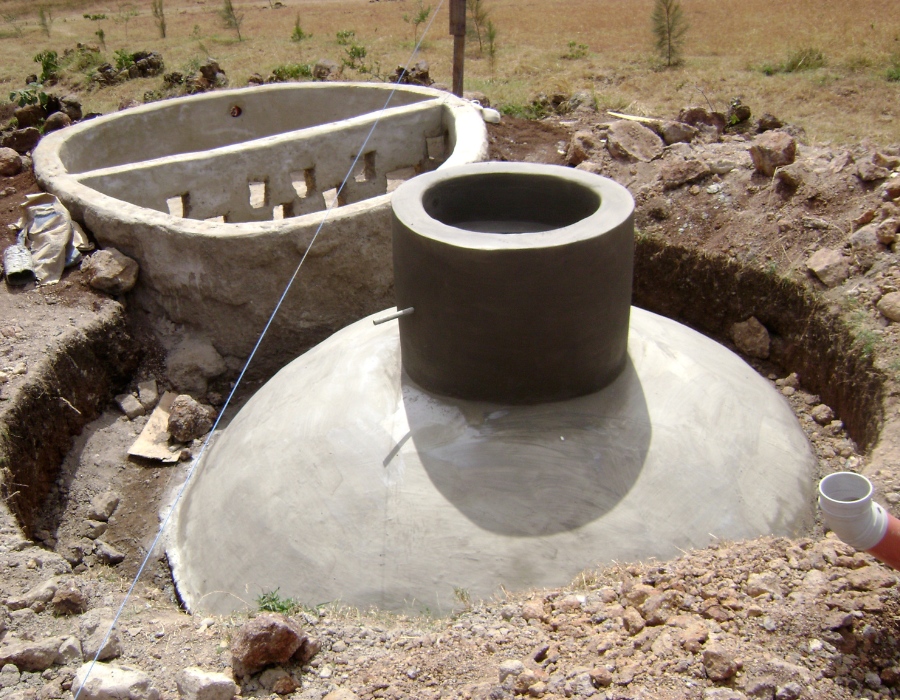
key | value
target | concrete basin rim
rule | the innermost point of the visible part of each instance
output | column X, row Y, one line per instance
column 616, row 207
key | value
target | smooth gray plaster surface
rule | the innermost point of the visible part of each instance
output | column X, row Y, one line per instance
column 520, row 278
column 341, row 479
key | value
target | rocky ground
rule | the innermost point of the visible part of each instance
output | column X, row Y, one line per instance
column 768, row 618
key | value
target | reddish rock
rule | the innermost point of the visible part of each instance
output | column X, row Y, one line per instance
column 188, row 419
column 267, row 640
column 771, row 150
column 679, row 171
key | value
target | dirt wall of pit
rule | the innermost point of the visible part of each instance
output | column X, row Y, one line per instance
column 68, row 388
column 711, row 293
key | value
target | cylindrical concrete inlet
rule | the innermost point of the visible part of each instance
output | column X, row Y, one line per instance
column 520, row 279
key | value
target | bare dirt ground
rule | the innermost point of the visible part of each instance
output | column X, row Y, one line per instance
column 768, row 618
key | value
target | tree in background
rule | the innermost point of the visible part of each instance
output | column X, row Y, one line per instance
column 231, row 18
column 419, row 17
column 159, row 14
column 478, row 13
column 669, row 27
column 45, row 19
column 491, row 37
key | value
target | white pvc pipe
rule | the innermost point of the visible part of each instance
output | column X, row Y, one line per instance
column 845, row 500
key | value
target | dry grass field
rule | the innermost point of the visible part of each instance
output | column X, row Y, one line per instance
column 842, row 94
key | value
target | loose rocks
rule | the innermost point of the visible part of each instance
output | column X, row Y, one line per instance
column 110, row 271
column 10, row 162
column 889, row 306
column 771, row 150
column 104, row 682
column 191, row 363
column 267, row 640
column 751, row 338
column 188, row 419
column 830, row 266
column 628, row 140
column 196, row 684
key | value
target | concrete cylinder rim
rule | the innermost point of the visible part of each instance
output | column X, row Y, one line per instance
column 615, row 207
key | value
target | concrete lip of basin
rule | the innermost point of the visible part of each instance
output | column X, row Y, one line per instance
column 218, row 195
column 343, row 480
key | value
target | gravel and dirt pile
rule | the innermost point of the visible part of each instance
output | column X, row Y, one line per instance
column 769, row 618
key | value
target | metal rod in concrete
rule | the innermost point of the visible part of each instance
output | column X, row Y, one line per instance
column 385, row 319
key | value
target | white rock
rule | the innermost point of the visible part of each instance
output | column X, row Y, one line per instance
column 830, row 266
column 196, row 684
column 148, row 394
column 103, row 682
column 191, row 363
column 92, row 631
column 510, row 667
column 103, row 505
column 889, row 306
column 130, row 406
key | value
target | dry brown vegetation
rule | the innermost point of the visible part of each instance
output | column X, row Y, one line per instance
column 728, row 48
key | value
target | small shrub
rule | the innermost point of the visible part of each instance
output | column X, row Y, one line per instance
column 273, row 602
column 231, row 19
column 575, row 51
column 292, row 71
column 893, row 71
column 31, row 94
column 419, row 17
column 478, row 14
column 124, row 59
column 298, row 34
column 491, row 38
column 805, row 59
column 159, row 15
column 49, row 61
column 354, row 55
column 126, row 13
column 669, row 28
column 94, row 18
column 45, row 19
column 101, row 37
column 13, row 21
column 345, row 37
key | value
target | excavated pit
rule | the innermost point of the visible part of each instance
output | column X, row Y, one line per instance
column 705, row 292
column 711, row 293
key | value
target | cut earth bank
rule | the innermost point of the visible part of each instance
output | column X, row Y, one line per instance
column 720, row 242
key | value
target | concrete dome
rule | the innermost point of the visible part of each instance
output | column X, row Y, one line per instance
column 343, row 480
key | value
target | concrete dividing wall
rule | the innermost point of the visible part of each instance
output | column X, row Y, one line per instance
column 147, row 180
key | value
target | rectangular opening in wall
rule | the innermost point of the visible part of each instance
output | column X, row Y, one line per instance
column 365, row 168
column 278, row 213
column 257, row 195
column 395, row 178
column 298, row 182
column 176, row 205
column 331, row 198
column 216, row 219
